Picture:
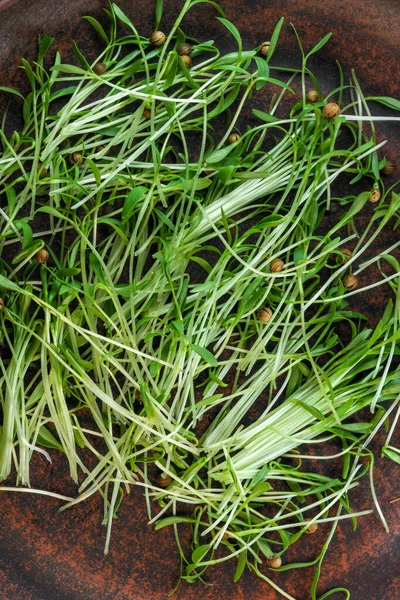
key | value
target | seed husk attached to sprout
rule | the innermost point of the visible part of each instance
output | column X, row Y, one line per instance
column 76, row 158
column 265, row 314
column 187, row 60
column 274, row 562
column 234, row 137
column 42, row 171
column 277, row 265
column 312, row 528
column 331, row 110
column 184, row 49
column 374, row 196
column 42, row 256
column 1, row 303
column 147, row 113
column 100, row 68
column 347, row 252
column 350, row 282
column 157, row 38
column 163, row 480
column 265, row 48
column 388, row 169
column 312, row 96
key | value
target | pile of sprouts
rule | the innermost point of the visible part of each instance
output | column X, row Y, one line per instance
column 175, row 283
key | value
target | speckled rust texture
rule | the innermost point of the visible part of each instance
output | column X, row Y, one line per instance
column 46, row 555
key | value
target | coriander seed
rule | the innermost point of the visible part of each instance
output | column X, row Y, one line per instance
column 388, row 169
column 187, row 60
column 157, row 38
column 147, row 113
column 312, row 96
column 76, row 159
column 350, row 282
column 274, row 562
column 100, row 68
column 265, row 314
column 277, row 265
column 331, row 110
column 42, row 171
column 348, row 254
column 374, row 196
column 312, row 528
column 163, row 480
column 264, row 49
column 42, row 256
column 234, row 137
column 1, row 303
column 184, row 49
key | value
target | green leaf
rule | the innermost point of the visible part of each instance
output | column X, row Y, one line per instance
column 179, row 326
column 159, row 12
column 260, row 114
column 11, row 91
column 46, row 439
column 44, row 45
column 71, row 272
column 317, row 414
column 132, row 199
column 69, row 69
column 96, row 266
column 242, row 562
column 206, row 355
column 63, row 92
column 9, row 285
column 274, row 39
column 28, row 251
column 199, row 553
column 172, row 521
column 222, row 153
column 386, row 101
column 392, row 453
column 79, row 56
column 96, row 25
column 122, row 16
column 320, row 44
column 234, row 31
column 166, row 220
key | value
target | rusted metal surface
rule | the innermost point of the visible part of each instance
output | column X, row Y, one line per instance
column 46, row 555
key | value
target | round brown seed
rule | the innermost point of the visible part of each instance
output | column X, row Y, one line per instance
column 234, row 137
column 277, row 265
column 184, row 49
column 42, row 256
column 157, row 38
column 163, row 480
column 350, row 282
column 265, row 314
column 187, row 60
column 264, row 49
column 76, row 158
column 388, row 169
column 374, row 196
column 331, row 110
column 274, row 562
column 312, row 96
column 100, row 68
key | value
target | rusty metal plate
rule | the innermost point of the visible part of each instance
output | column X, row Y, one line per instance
column 47, row 555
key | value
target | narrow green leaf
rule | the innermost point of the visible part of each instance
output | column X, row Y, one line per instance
column 320, row 44
column 46, row 439
column 205, row 354
column 159, row 12
column 134, row 196
column 98, row 27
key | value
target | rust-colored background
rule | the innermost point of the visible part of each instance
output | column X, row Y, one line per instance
column 45, row 555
